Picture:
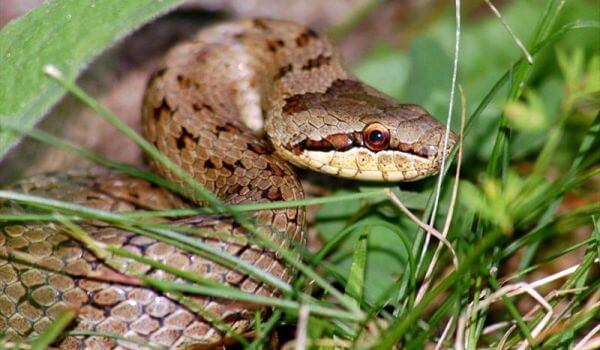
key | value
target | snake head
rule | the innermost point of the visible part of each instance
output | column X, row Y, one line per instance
column 354, row 131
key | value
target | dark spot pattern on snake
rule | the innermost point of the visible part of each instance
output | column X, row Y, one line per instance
column 161, row 110
column 304, row 38
column 313, row 63
column 299, row 103
column 283, row 71
column 186, row 138
column 274, row 44
column 260, row 23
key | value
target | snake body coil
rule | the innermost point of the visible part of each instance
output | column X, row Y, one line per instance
column 205, row 108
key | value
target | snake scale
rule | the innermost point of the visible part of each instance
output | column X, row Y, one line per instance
column 206, row 108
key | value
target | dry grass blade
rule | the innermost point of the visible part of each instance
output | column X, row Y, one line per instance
column 590, row 340
column 428, row 274
column 461, row 328
column 440, row 342
column 510, row 31
column 430, row 230
column 512, row 290
column 440, row 179
column 302, row 327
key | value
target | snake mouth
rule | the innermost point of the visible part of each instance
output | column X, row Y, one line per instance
column 364, row 164
column 344, row 142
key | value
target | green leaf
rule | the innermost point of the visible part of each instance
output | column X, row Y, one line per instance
column 356, row 279
column 67, row 34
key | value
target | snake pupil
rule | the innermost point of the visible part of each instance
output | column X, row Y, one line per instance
column 376, row 136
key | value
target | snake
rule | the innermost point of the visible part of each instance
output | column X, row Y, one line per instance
column 237, row 107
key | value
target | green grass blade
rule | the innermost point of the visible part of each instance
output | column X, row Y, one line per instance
column 498, row 163
column 356, row 277
column 54, row 141
column 182, row 241
column 233, row 293
column 54, row 330
column 142, row 343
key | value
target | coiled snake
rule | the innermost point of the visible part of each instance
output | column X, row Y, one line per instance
column 204, row 109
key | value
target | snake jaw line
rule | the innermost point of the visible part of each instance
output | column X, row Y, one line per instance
column 366, row 165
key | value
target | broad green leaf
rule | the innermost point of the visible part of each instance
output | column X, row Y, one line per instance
column 67, row 34
column 356, row 278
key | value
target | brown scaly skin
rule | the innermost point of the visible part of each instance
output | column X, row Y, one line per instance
column 203, row 108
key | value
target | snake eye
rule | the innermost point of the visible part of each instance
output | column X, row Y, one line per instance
column 376, row 137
